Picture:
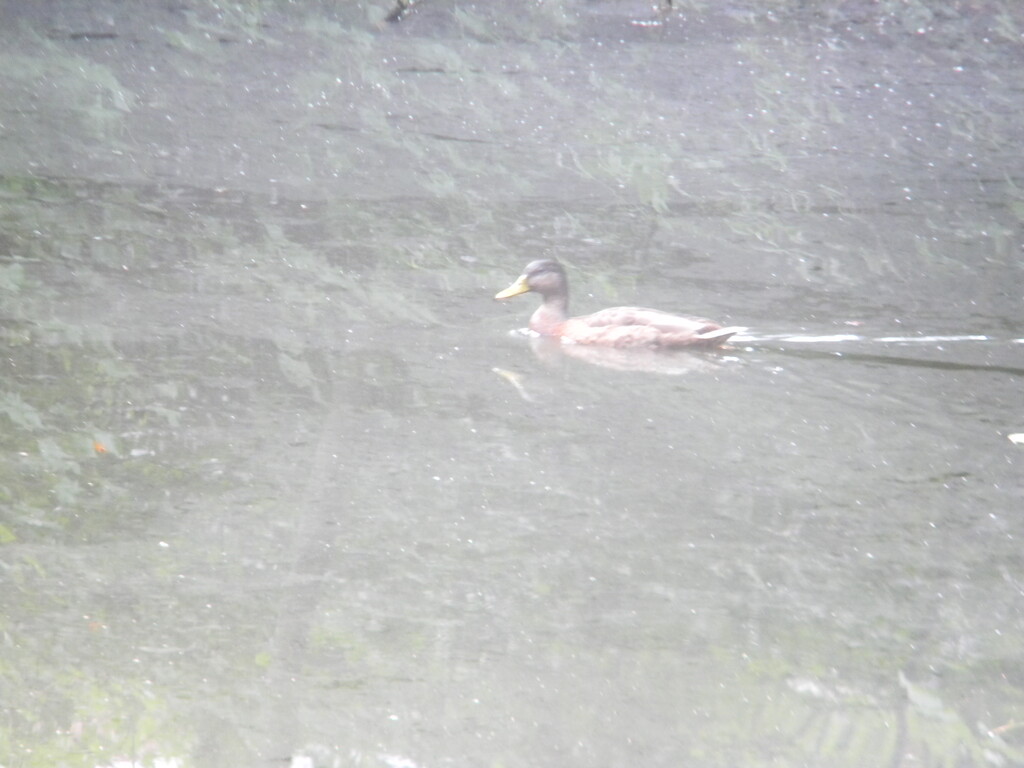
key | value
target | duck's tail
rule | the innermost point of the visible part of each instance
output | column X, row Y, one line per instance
column 718, row 336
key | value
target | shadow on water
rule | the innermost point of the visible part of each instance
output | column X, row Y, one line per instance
column 263, row 497
column 941, row 365
column 946, row 346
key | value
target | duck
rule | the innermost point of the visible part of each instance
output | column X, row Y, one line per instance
column 620, row 327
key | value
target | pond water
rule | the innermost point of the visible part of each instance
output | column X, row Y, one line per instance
column 283, row 485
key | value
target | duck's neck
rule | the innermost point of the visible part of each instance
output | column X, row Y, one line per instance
column 549, row 317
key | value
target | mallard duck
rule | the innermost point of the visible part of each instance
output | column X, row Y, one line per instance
column 614, row 327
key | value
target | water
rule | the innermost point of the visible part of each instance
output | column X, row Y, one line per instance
column 282, row 485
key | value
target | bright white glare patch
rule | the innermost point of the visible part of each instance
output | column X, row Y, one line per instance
column 397, row 761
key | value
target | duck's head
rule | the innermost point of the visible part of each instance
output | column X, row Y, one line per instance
column 544, row 276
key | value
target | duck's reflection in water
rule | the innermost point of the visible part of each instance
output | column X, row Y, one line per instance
column 556, row 354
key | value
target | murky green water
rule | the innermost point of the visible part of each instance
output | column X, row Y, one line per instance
column 280, row 486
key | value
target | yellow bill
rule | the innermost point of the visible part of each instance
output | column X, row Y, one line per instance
column 518, row 287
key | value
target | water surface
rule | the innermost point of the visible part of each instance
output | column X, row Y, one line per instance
column 282, row 485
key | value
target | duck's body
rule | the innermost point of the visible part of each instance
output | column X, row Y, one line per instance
column 614, row 327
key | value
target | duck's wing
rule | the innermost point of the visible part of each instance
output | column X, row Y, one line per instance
column 650, row 318
column 578, row 331
column 642, row 327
